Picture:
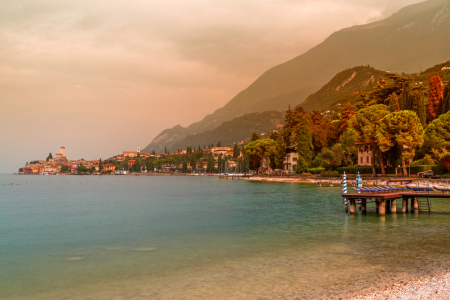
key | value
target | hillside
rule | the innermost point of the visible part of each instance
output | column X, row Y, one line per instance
column 233, row 131
column 343, row 85
column 347, row 85
column 415, row 36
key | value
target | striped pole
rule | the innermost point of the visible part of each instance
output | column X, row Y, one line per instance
column 359, row 183
column 345, row 192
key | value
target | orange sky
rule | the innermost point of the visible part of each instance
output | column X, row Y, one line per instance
column 100, row 77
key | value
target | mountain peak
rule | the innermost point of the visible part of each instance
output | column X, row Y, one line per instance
column 413, row 37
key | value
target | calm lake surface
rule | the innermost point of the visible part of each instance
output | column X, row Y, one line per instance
column 174, row 237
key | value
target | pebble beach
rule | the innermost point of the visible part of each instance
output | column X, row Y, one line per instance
column 433, row 287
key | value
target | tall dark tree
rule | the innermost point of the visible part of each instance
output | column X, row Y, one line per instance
column 219, row 144
column 288, row 127
column 50, row 156
column 347, row 112
column 235, row 151
column 444, row 105
column 393, row 103
column 277, row 160
column 435, row 95
column 305, row 145
column 137, row 166
column 317, row 131
column 100, row 165
column 255, row 137
column 421, row 109
column 165, row 150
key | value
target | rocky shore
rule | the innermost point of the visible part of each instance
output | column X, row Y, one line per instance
column 434, row 287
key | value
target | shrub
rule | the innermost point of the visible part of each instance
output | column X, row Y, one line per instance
column 306, row 174
column 315, row 170
column 355, row 170
column 316, row 162
column 329, row 174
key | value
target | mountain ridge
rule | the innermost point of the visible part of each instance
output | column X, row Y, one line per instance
column 400, row 43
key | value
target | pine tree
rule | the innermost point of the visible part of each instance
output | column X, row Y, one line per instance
column 255, row 137
column 305, row 145
column 435, row 95
column 165, row 150
column 50, row 156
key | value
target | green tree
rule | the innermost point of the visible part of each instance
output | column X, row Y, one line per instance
column 420, row 107
column 235, row 151
column 219, row 144
column 137, row 166
column 444, row 104
column 348, row 144
column 404, row 129
column 81, row 168
column 21, row 170
column 255, row 137
column 305, row 146
column 277, row 161
column 211, row 164
column 366, row 123
column 100, row 165
column 219, row 163
column 184, row 168
column 262, row 150
column 393, row 103
column 64, row 169
column 50, row 156
column 437, row 133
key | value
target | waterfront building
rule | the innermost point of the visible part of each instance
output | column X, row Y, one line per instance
column 364, row 154
column 290, row 161
column 216, row 151
column 132, row 153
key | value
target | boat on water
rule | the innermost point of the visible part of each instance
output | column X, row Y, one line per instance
column 121, row 172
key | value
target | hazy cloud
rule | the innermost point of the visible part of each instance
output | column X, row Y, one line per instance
column 115, row 73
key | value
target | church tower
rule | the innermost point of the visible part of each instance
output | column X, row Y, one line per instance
column 138, row 149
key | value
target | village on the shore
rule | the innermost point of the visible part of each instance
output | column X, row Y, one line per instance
column 398, row 128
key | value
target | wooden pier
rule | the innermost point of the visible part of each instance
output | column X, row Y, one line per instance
column 386, row 202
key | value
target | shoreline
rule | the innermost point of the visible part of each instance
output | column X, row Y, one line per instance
column 435, row 286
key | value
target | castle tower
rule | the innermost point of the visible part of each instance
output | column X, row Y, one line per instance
column 62, row 150
column 138, row 149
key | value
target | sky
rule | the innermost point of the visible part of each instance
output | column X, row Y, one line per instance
column 100, row 77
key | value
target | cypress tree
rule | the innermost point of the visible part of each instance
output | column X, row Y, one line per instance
column 235, row 151
column 444, row 105
column 100, row 165
column 305, row 145
column 421, row 108
column 255, row 137
column 393, row 103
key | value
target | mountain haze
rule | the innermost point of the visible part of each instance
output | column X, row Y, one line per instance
column 415, row 36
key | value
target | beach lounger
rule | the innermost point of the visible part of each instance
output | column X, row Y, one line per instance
column 442, row 190
column 420, row 189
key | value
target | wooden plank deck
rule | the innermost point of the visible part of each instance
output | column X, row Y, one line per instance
column 387, row 201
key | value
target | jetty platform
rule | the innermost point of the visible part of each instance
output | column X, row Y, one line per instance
column 386, row 202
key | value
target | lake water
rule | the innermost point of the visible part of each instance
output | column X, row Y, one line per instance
column 174, row 237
